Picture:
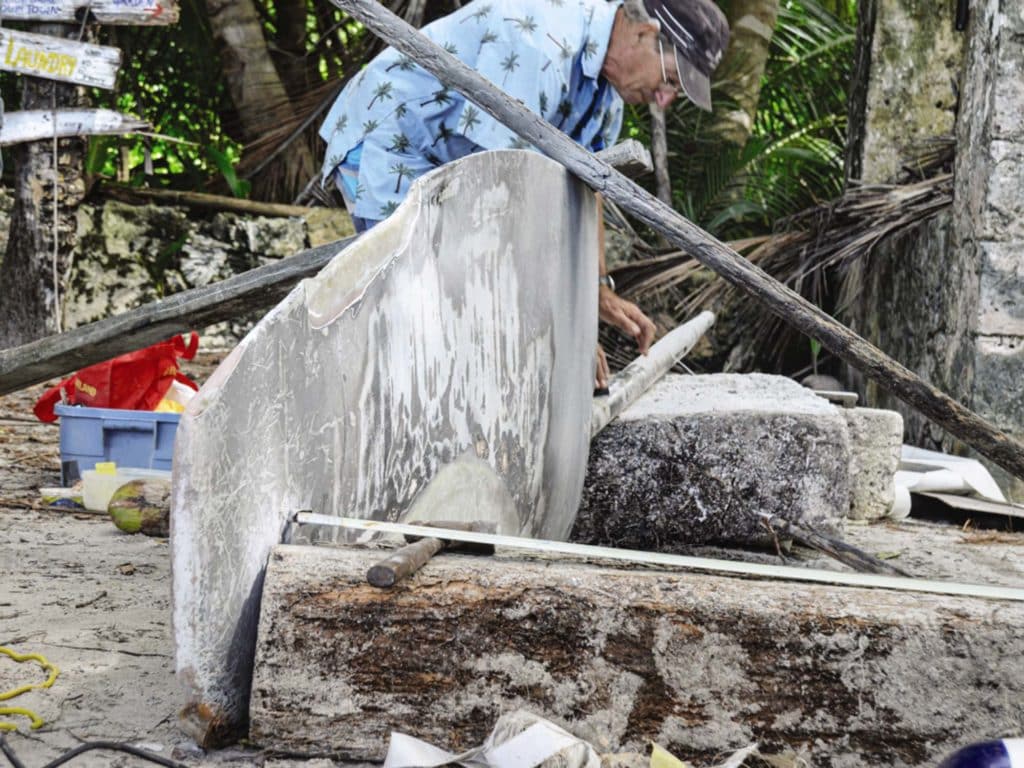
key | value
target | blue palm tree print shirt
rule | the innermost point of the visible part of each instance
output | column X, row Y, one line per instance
column 395, row 121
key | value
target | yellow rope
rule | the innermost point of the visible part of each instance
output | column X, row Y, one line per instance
column 35, row 720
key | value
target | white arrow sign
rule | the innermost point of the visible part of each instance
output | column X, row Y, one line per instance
column 135, row 12
column 36, row 124
column 55, row 58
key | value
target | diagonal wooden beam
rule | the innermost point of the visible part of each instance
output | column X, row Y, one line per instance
column 796, row 310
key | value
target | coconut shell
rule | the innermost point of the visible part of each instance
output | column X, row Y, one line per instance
column 142, row 506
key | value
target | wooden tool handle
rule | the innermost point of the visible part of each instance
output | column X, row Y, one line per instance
column 403, row 562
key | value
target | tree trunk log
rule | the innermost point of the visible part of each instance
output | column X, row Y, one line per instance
column 751, row 24
column 800, row 313
column 31, row 282
column 699, row 664
column 257, row 92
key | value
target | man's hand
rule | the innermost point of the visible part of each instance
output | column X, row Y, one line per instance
column 602, row 374
column 627, row 317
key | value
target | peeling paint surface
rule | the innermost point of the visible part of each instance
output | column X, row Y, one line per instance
column 454, row 341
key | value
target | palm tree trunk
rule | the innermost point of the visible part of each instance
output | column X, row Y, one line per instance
column 258, row 93
column 752, row 24
column 33, row 275
column 291, row 42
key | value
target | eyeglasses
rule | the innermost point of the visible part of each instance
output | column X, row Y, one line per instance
column 664, row 74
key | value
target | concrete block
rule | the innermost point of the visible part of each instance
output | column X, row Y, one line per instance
column 697, row 457
column 875, row 440
column 444, row 357
column 699, row 664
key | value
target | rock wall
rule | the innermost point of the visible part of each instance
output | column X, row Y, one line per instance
column 919, row 303
column 915, row 57
column 129, row 255
column 946, row 297
column 989, row 210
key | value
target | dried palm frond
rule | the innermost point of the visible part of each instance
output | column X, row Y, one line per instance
column 813, row 255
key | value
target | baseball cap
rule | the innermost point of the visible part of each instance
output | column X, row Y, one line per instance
column 699, row 32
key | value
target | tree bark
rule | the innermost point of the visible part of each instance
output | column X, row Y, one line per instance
column 291, row 42
column 258, row 93
column 32, row 280
column 752, row 24
column 697, row 663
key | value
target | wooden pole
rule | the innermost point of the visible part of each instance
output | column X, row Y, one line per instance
column 960, row 421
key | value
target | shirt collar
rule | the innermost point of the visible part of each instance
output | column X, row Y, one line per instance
column 600, row 32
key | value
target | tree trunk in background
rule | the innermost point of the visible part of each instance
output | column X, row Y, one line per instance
column 29, row 303
column 291, row 43
column 258, row 94
column 752, row 24
column 659, row 155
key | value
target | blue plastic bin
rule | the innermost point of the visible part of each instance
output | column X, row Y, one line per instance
column 130, row 438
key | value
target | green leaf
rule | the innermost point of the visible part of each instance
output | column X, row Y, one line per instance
column 239, row 187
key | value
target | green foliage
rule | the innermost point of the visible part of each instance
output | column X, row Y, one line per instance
column 171, row 78
column 794, row 158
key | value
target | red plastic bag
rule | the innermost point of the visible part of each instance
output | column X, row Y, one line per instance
column 137, row 381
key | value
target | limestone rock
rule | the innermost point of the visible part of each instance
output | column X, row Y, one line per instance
column 916, row 59
column 695, row 459
column 875, row 440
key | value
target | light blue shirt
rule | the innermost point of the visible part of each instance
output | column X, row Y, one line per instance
column 395, row 121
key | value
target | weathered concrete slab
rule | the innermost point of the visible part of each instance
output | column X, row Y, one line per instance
column 699, row 664
column 444, row 360
column 875, row 439
column 697, row 457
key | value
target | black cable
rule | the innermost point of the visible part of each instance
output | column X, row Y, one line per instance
column 87, row 747
column 9, row 753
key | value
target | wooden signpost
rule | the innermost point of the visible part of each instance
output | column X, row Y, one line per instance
column 38, row 124
column 55, row 58
column 133, row 12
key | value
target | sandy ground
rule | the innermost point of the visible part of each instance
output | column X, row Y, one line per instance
column 96, row 603
column 93, row 601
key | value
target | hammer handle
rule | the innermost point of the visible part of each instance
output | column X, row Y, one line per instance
column 403, row 562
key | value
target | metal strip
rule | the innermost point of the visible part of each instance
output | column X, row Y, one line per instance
column 782, row 572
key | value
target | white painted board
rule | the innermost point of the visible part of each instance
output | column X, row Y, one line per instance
column 133, row 12
column 36, row 124
column 55, row 58
column 440, row 367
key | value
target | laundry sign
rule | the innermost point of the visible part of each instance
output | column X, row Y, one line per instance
column 56, row 58
column 134, row 12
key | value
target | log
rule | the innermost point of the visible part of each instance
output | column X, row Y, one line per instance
column 202, row 200
column 782, row 301
column 699, row 664
column 52, row 356
column 855, row 558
